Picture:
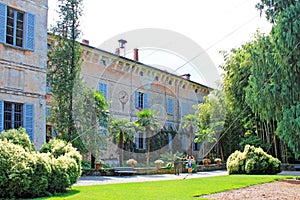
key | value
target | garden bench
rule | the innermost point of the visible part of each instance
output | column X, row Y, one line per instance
column 124, row 170
column 297, row 167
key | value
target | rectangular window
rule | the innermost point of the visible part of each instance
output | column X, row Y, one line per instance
column 103, row 89
column 140, row 140
column 13, row 115
column 170, row 106
column 196, row 146
column 16, row 27
column 141, row 100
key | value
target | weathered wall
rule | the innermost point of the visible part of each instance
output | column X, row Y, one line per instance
column 23, row 72
column 122, row 74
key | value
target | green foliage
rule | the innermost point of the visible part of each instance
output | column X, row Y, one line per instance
column 254, row 140
column 42, row 175
column 19, row 137
column 148, row 121
column 64, row 174
column 86, row 164
column 22, row 174
column 262, row 79
column 64, row 66
column 123, row 131
column 58, row 148
column 26, row 173
column 252, row 161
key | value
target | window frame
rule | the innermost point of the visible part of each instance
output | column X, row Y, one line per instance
column 28, row 28
column 12, row 113
column 103, row 89
column 27, row 115
column 141, row 100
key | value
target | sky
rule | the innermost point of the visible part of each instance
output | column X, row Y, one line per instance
column 214, row 25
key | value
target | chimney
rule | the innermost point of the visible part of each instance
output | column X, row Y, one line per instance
column 117, row 52
column 187, row 76
column 136, row 54
column 84, row 41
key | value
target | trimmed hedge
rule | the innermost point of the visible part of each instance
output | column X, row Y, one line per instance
column 19, row 137
column 252, row 161
column 27, row 174
column 58, row 148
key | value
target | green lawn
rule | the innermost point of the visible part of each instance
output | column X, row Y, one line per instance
column 172, row 189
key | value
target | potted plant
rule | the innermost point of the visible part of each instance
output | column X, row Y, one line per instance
column 131, row 162
column 218, row 161
column 98, row 164
column 158, row 163
column 206, row 161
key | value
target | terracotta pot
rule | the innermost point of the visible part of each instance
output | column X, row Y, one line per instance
column 98, row 166
column 158, row 165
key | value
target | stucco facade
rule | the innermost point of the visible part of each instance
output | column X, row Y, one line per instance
column 23, row 61
column 130, row 86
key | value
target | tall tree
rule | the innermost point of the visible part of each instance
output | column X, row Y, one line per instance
column 92, row 119
column 210, row 121
column 64, row 68
column 272, row 87
column 277, row 56
column 149, row 122
column 122, row 130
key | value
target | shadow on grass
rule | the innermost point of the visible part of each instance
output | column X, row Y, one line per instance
column 69, row 193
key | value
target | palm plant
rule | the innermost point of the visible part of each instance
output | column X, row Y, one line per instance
column 122, row 130
column 190, row 121
column 148, row 121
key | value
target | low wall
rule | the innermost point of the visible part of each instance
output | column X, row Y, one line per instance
column 150, row 170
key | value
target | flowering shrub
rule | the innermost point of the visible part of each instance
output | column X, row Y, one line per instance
column 252, row 161
column 25, row 173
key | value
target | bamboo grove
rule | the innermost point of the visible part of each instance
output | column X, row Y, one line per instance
column 262, row 83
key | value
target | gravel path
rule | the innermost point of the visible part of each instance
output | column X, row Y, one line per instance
column 288, row 189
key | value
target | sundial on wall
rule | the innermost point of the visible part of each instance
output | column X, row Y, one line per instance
column 123, row 97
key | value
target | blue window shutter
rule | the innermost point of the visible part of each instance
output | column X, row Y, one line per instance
column 48, row 114
column 183, row 109
column 103, row 89
column 1, row 116
column 30, row 23
column 137, row 140
column 170, row 107
column 136, row 99
column 28, row 120
column 145, row 100
column 53, row 132
column 3, row 11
